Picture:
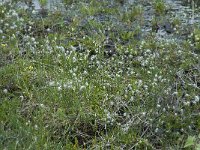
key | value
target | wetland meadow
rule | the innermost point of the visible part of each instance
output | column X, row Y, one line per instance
column 100, row 74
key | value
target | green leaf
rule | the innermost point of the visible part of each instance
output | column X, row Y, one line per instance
column 190, row 141
column 197, row 147
column 43, row 2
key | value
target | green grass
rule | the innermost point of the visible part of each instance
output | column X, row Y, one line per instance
column 93, row 84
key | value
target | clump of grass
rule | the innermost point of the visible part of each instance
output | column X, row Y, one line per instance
column 43, row 3
column 196, row 37
column 96, row 8
column 136, row 13
column 160, row 7
column 68, row 2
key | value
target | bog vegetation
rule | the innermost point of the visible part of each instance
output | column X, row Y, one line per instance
column 100, row 75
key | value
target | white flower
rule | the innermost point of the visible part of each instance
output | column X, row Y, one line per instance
column 158, row 106
column 73, row 48
column 51, row 83
column 59, row 88
column 187, row 95
column 186, row 103
column 139, row 82
column 181, row 111
column 109, row 115
column 175, row 93
column 42, row 106
column 156, row 130
column 36, row 127
column 112, row 103
column 196, row 98
column 48, row 29
column 74, row 59
column 68, row 85
column 5, row 91
column 21, row 97
column 34, row 11
column 146, row 87
column 143, row 113
column 86, row 83
column 14, row 14
column 85, row 72
column 82, row 88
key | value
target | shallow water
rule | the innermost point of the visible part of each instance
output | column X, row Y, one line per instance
column 189, row 2
column 178, row 8
column 57, row 4
column 51, row 4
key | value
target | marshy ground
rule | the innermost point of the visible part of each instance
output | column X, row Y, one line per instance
column 100, row 75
